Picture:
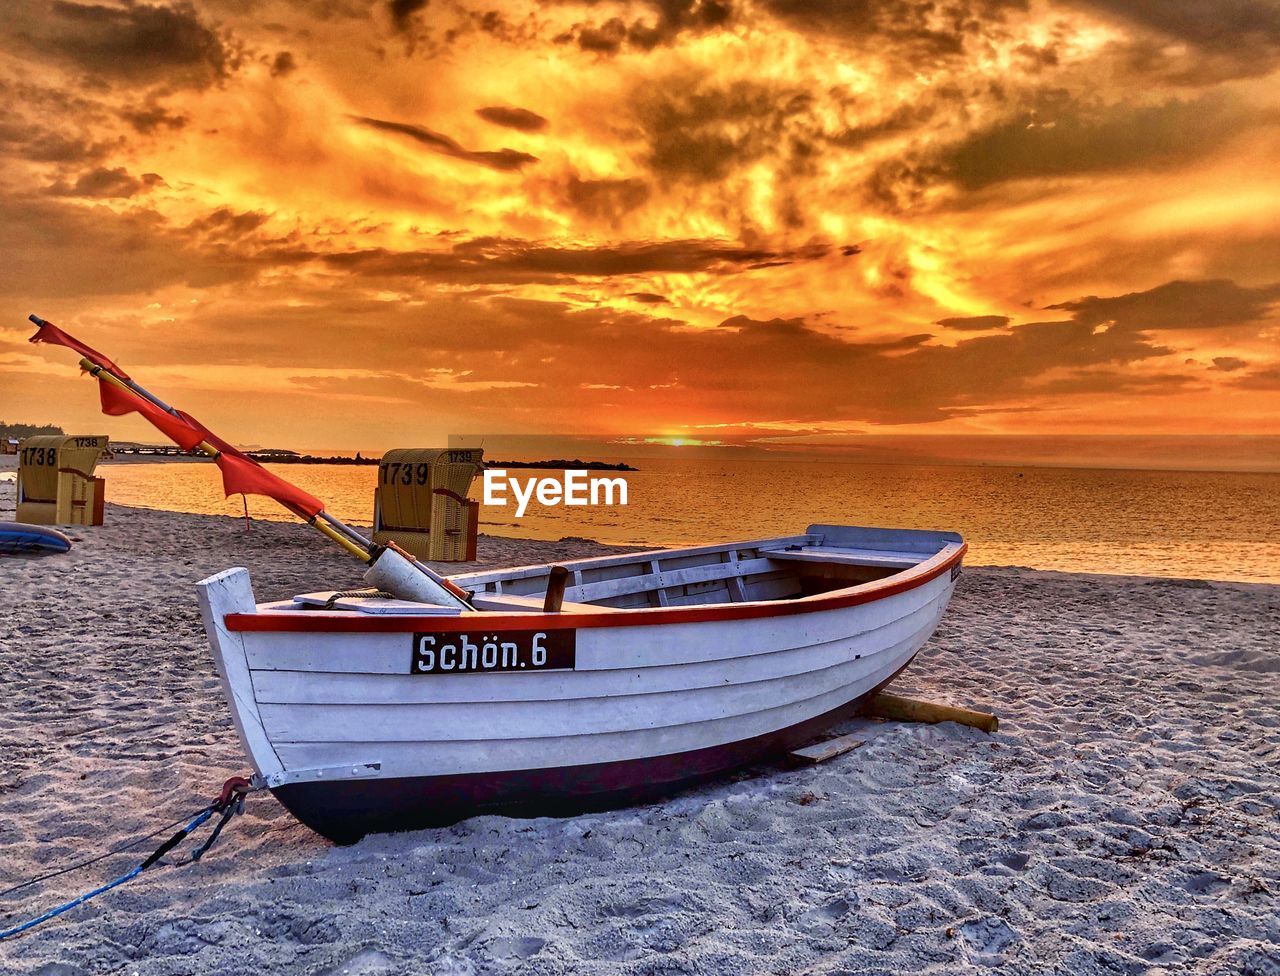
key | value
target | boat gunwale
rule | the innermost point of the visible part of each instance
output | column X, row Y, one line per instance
column 292, row 621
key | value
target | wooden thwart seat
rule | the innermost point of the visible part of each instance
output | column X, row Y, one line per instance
column 667, row 578
column 852, row 557
column 727, row 572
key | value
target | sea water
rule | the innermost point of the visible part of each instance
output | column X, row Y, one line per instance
column 1192, row 524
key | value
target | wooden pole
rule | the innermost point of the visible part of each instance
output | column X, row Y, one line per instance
column 324, row 523
column 556, row 582
column 899, row 709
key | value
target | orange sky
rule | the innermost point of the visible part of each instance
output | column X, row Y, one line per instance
column 349, row 225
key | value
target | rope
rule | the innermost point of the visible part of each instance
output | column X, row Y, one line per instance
column 366, row 594
column 229, row 803
column 227, row 814
column 92, row 860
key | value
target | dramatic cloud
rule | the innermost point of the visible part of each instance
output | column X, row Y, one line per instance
column 607, row 200
column 502, row 159
column 1067, row 138
column 39, row 145
column 513, row 118
column 58, row 250
column 152, row 118
column 1178, row 305
column 909, row 30
column 1261, row 379
column 1228, row 37
column 975, row 323
column 403, row 10
column 637, row 216
column 703, row 133
column 497, row 260
column 107, row 183
column 658, row 22
column 283, row 64
column 136, row 42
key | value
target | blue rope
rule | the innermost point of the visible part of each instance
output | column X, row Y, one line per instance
column 200, row 818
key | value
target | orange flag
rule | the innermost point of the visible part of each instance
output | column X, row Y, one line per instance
column 241, row 474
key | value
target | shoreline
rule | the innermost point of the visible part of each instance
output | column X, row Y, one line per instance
column 1132, row 782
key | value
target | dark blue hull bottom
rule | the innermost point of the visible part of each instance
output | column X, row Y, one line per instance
column 344, row 811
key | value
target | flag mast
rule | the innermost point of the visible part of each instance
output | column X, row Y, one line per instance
column 390, row 567
column 322, row 521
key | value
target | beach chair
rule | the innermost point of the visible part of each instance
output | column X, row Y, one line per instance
column 56, row 485
column 421, row 502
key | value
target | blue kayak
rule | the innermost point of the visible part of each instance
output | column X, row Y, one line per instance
column 18, row 537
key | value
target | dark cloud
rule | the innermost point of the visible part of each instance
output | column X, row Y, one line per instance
column 1228, row 364
column 227, row 224
column 1228, row 38
column 1062, row 138
column 701, row 132
column 606, row 200
column 402, row 11
column 606, row 38
column 283, row 64
column 648, row 298
column 103, row 183
column 494, row 260
column 661, row 22
column 653, row 366
column 513, row 118
column 1267, row 378
column 137, row 42
column 1112, row 381
column 152, row 118
column 1057, row 136
column 655, row 363
column 904, row 118
column 1207, row 23
column 975, row 323
column 915, row 31
column 39, row 145
column 1210, row 304
column 57, row 248
column 909, row 380
column 502, row 159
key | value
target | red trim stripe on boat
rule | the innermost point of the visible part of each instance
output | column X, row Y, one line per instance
column 315, row 622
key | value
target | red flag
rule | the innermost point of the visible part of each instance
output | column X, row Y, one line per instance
column 244, row 475
column 51, row 333
column 117, row 402
column 241, row 474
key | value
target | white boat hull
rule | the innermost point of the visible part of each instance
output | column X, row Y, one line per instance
column 352, row 741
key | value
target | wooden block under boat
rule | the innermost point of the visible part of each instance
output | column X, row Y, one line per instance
column 901, row 709
column 818, row 752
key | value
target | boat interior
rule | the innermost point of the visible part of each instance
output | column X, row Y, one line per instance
column 825, row 558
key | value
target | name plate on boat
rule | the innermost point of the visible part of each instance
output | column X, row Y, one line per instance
column 510, row 650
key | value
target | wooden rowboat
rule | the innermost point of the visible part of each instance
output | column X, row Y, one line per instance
column 365, row 714
column 487, row 691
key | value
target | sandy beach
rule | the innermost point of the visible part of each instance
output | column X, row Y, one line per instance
column 1125, row 818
